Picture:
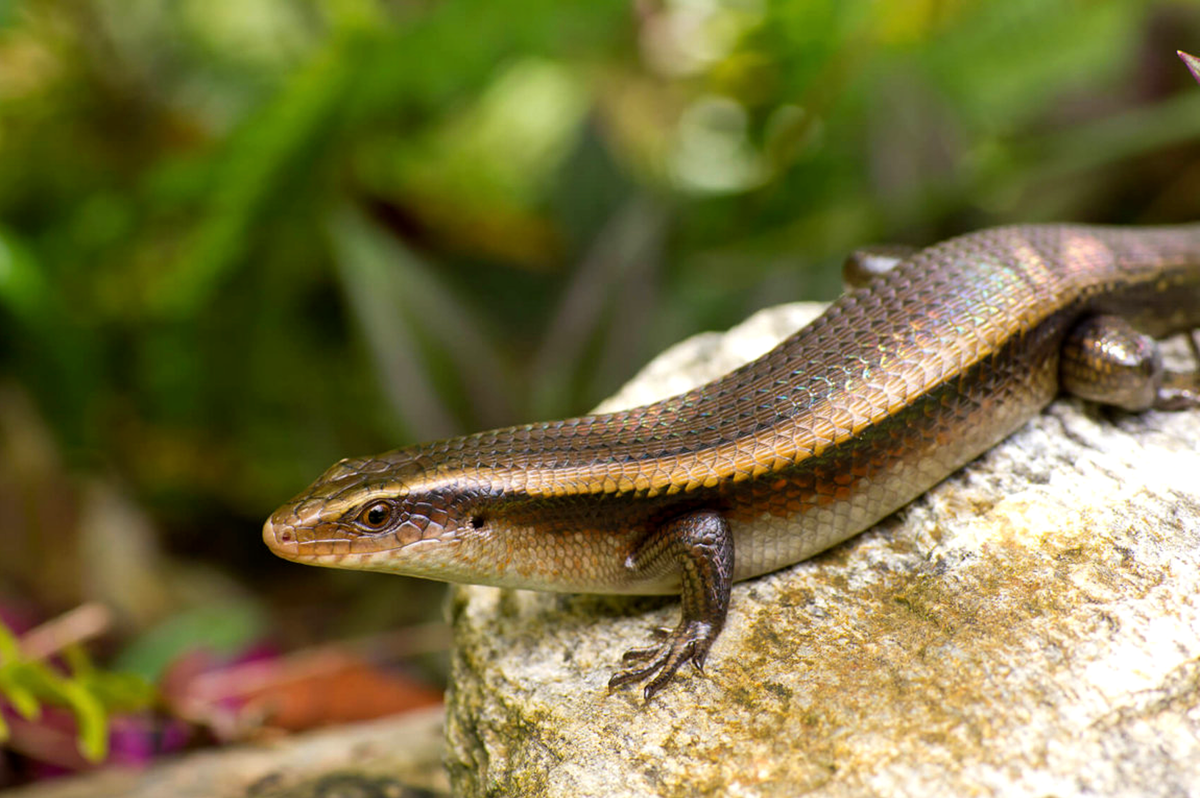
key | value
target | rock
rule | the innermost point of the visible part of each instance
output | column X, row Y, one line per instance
column 1030, row 626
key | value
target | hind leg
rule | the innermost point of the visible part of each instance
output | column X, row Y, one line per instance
column 1104, row 359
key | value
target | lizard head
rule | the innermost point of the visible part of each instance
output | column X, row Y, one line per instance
column 436, row 511
column 394, row 513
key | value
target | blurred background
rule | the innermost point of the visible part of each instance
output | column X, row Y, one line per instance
column 241, row 239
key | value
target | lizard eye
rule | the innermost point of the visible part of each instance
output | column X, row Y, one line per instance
column 376, row 516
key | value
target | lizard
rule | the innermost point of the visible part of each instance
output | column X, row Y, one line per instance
column 898, row 384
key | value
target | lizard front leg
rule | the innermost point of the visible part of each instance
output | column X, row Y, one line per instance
column 699, row 546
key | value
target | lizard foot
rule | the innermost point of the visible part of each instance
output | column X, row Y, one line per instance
column 690, row 641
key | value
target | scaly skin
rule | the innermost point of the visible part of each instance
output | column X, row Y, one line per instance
column 896, row 386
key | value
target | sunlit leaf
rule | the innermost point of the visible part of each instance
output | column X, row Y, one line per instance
column 10, row 648
column 15, row 690
column 504, row 148
column 90, row 717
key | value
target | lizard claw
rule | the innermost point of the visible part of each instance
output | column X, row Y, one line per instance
column 661, row 633
column 690, row 641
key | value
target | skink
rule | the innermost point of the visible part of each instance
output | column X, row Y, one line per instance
column 897, row 385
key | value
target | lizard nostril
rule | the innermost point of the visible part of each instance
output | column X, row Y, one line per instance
column 280, row 537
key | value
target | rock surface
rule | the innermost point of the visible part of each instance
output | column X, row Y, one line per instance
column 1029, row 627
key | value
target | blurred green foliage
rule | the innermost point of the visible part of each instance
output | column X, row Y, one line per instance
column 92, row 695
column 242, row 238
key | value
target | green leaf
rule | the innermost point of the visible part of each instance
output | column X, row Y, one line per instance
column 12, row 685
column 22, row 287
column 10, row 649
column 225, row 628
column 121, row 692
column 90, row 717
column 89, row 692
